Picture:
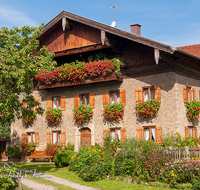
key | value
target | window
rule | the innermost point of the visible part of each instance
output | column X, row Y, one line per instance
column 56, row 102
column 148, row 93
column 189, row 94
column 30, row 137
column 56, row 137
column 25, row 105
column 191, row 131
column 84, row 99
column 119, row 133
column 114, row 96
column 151, row 133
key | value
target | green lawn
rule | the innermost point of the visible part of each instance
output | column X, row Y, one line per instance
column 64, row 173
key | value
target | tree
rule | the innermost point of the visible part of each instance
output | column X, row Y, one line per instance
column 20, row 60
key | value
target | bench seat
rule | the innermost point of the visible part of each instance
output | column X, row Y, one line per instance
column 39, row 154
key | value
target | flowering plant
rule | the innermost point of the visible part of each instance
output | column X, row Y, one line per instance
column 54, row 116
column 80, row 70
column 13, row 151
column 148, row 108
column 53, row 149
column 28, row 116
column 114, row 112
column 193, row 109
column 27, row 147
column 82, row 114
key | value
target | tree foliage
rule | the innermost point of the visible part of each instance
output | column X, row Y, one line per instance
column 20, row 60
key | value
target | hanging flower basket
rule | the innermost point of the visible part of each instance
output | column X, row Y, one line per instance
column 193, row 110
column 114, row 112
column 82, row 114
column 28, row 116
column 148, row 108
column 54, row 116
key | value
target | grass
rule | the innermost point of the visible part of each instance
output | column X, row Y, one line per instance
column 64, row 173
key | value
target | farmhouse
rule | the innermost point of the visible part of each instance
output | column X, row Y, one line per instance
column 154, row 71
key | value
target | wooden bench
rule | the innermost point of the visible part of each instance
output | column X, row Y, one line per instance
column 39, row 154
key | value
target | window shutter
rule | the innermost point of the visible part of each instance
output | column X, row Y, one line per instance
column 185, row 94
column 37, row 138
column 23, row 138
column 23, row 104
column 123, row 134
column 123, row 96
column 105, row 98
column 63, row 138
column 48, row 137
column 76, row 100
column 138, row 95
column 157, row 90
column 186, row 131
column 49, row 103
column 195, row 131
column 159, row 135
column 92, row 100
column 36, row 100
column 63, row 102
column 194, row 93
column 105, row 132
column 139, row 131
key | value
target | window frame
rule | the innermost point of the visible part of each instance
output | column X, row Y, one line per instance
column 57, row 137
column 150, row 133
column 87, row 97
column 31, row 134
column 116, row 134
column 149, row 92
column 115, row 96
column 189, row 93
column 193, row 131
column 57, row 102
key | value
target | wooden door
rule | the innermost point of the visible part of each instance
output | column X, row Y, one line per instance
column 85, row 137
column 3, row 156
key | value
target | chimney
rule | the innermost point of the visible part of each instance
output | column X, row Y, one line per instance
column 136, row 29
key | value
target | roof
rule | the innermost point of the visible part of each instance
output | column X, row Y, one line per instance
column 127, row 35
column 191, row 49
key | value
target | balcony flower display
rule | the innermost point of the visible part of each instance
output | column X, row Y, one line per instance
column 114, row 112
column 82, row 114
column 80, row 70
column 27, row 147
column 193, row 109
column 148, row 108
column 54, row 116
column 28, row 116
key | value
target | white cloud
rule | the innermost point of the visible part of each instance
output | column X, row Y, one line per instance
column 12, row 17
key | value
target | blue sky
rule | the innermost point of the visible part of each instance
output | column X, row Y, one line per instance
column 173, row 22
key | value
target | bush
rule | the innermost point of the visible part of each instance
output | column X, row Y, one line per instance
column 63, row 157
column 69, row 146
column 13, row 151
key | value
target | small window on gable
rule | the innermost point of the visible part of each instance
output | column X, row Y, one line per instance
column 30, row 137
column 191, row 131
column 189, row 94
column 148, row 93
column 56, row 137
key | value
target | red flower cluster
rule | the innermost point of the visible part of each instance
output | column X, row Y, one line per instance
column 53, row 149
column 193, row 110
column 27, row 147
column 80, row 71
column 28, row 116
column 54, row 116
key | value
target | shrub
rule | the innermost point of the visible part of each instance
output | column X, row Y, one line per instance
column 27, row 147
column 114, row 112
column 53, row 149
column 69, row 146
column 54, row 116
column 63, row 157
column 13, row 151
column 82, row 114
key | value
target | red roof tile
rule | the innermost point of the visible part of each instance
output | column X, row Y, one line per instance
column 192, row 49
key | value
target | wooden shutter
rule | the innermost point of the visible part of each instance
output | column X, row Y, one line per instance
column 76, row 100
column 23, row 104
column 159, row 135
column 186, row 131
column 49, row 103
column 92, row 100
column 138, row 95
column 139, row 131
column 37, row 138
column 185, row 94
column 48, row 137
column 105, row 132
column 193, row 94
column 105, row 98
column 123, row 96
column 123, row 134
column 63, row 102
column 36, row 100
column 195, row 131
column 23, row 138
column 157, row 90
column 63, row 138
